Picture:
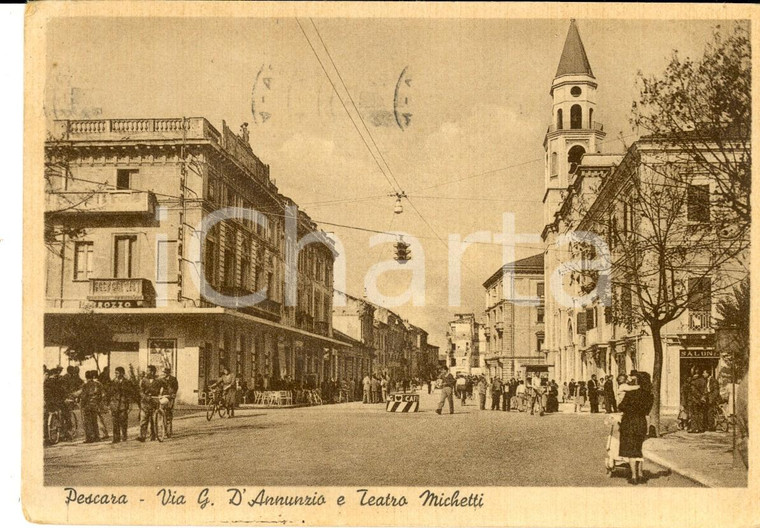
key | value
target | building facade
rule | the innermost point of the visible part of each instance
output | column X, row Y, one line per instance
column 138, row 249
column 514, row 321
column 605, row 195
column 464, row 345
column 354, row 318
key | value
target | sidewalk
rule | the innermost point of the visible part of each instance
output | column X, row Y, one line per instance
column 706, row 458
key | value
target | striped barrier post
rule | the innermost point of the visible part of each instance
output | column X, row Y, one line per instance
column 403, row 403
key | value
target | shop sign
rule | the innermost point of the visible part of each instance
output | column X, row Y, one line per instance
column 700, row 353
column 118, row 304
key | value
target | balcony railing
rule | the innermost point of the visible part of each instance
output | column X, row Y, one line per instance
column 101, row 202
column 596, row 125
column 266, row 307
column 132, row 129
column 122, row 293
column 699, row 321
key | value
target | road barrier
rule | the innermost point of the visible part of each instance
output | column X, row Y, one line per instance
column 401, row 402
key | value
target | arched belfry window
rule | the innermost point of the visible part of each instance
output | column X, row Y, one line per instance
column 553, row 167
column 574, row 156
column 576, row 116
column 559, row 119
column 591, row 118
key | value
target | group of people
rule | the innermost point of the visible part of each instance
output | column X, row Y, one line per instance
column 700, row 398
column 376, row 387
column 592, row 391
column 98, row 394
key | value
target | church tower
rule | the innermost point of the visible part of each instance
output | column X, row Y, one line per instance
column 573, row 130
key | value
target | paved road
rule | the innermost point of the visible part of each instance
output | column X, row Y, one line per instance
column 354, row 444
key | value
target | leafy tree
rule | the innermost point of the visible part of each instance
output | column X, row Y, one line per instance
column 88, row 338
column 733, row 315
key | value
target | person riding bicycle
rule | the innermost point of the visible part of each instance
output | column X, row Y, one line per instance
column 228, row 389
column 150, row 388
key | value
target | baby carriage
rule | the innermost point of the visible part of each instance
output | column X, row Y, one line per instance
column 613, row 460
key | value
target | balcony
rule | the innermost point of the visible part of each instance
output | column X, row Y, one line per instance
column 596, row 125
column 101, row 202
column 135, row 129
column 122, row 293
column 698, row 321
column 266, row 308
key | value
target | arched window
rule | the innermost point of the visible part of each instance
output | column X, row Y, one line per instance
column 576, row 116
column 554, row 168
column 591, row 118
column 559, row 119
column 574, row 156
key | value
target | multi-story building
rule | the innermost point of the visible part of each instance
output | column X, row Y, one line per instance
column 463, row 354
column 139, row 252
column 589, row 192
column 417, row 347
column 514, row 320
column 354, row 319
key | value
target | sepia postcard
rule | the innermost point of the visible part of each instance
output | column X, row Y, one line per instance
column 348, row 264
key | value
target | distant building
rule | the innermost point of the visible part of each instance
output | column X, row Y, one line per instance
column 514, row 320
column 464, row 344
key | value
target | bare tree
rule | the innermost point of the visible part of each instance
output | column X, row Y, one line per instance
column 703, row 110
column 666, row 254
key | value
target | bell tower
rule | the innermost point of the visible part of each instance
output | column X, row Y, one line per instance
column 574, row 130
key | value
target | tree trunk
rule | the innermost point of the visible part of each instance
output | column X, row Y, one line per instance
column 654, row 416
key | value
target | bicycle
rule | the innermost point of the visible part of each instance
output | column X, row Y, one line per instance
column 159, row 420
column 55, row 424
column 217, row 405
column 722, row 421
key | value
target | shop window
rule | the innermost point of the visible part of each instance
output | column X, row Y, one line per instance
column 83, row 260
column 698, row 203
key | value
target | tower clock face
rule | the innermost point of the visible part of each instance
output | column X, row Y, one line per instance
column 575, row 91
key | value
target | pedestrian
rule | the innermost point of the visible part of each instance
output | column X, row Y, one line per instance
column 461, row 388
column 482, row 389
column 635, row 406
column 171, row 387
column 713, row 400
column 376, row 390
column 447, row 390
column 430, row 386
column 565, row 392
column 571, row 388
column 384, row 388
column 536, row 396
column 552, row 400
column 593, row 393
column 496, row 388
column 150, row 387
column 367, row 389
column 468, row 386
column 580, row 396
column 120, row 393
column 698, row 393
column 90, row 401
column 609, row 394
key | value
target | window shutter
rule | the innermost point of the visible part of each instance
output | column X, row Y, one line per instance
column 581, row 322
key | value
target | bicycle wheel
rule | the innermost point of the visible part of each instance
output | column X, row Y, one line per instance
column 222, row 410
column 53, row 428
column 159, row 425
column 210, row 409
column 721, row 422
column 73, row 425
column 169, row 426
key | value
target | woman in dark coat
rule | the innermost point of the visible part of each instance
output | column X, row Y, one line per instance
column 635, row 407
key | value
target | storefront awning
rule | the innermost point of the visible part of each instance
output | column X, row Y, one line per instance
column 211, row 312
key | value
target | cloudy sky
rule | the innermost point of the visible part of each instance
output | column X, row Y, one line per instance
column 477, row 92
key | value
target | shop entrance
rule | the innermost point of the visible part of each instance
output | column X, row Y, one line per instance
column 697, row 361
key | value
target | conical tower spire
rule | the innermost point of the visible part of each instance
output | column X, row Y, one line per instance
column 574, row 60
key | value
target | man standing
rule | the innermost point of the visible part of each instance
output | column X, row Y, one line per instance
column 461, row 388
column 593, row 394
column 120, row 394
column 713, row 399
column 150, row 387
column 366, row 388
column 482, row 389
column 447, row 390
column 90, row 401
column 384, row 388
column 375, row 388
column 171, row 386
column 496, row 389
column 698, row 399
column 609, row 395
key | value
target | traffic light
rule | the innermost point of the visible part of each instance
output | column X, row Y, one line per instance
column 403, row 253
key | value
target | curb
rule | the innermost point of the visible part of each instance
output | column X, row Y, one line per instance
column 690, row 474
